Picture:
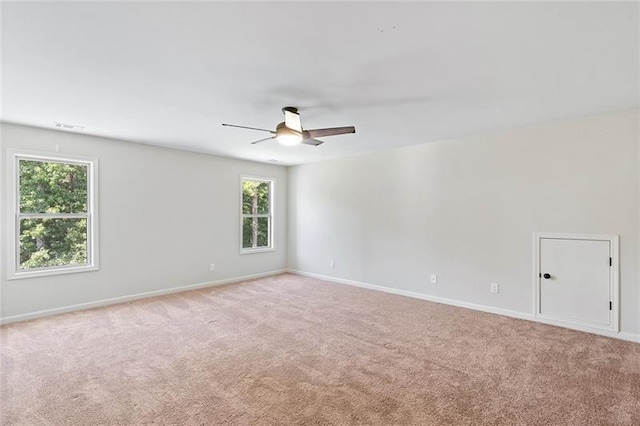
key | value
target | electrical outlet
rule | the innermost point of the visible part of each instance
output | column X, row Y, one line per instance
column 434, row 279
column 332, row 264
column 212, row 267
column 495, row 287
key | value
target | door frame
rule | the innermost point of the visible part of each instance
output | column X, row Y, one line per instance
column 614, row 314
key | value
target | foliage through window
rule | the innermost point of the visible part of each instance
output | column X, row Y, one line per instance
column 256, row 213
column 54, row 215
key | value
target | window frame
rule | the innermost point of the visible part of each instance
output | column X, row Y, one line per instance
column 14, row 216
column 270, row 215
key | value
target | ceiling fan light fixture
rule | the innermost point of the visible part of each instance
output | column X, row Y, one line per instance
column 289, row 139
column 287, row 136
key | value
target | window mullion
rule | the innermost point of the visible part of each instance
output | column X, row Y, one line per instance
column 53, row 215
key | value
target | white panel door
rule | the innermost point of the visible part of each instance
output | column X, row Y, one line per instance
column 575, row 280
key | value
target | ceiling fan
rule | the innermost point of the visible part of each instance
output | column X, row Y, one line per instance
column 290, row 131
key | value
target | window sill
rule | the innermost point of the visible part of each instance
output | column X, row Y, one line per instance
column 257, row 250
column 47, row 273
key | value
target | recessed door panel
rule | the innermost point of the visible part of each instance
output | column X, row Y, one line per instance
column 575, row 280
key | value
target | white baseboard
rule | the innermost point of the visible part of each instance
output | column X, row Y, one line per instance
column 132, row 297
column 631, row 337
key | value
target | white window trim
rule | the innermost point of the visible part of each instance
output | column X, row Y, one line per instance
column 271, row 215
column 13, row 246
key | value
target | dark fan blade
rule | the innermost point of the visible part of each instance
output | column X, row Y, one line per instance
column 250, row 128
column 262, row 140
column 314, row 142
column 328, row 132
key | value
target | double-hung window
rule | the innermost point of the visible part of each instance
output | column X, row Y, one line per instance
column 54, row 222
column 256, row 214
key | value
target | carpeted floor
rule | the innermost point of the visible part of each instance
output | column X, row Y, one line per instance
column 291, row 350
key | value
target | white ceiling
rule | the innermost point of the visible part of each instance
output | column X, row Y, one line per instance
column 403, row 73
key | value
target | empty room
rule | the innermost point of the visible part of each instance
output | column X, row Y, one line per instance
column 320, row 213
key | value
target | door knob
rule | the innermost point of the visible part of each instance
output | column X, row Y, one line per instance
column 547, row 276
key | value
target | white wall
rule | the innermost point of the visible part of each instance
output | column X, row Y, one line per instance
column 467, row 209
column 463, row 209
column 164, row 216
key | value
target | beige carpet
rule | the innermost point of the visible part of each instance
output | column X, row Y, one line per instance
column 290, row 350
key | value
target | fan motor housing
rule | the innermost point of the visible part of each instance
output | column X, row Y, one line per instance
column 281, row 129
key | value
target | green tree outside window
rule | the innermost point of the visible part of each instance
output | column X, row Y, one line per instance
column 53, row 214
column 256, row 213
